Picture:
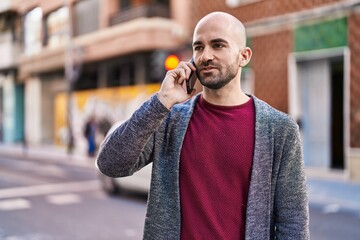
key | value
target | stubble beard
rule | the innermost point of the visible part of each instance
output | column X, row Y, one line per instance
column 217, row 81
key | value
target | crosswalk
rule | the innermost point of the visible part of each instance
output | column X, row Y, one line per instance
column 64, row 199
column 56, row 194
column 23, row 203
column 14, row 204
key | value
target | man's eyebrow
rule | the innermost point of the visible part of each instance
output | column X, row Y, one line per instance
column 197, row 43
column 216, row 40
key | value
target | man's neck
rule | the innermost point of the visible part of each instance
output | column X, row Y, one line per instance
column 226, row 96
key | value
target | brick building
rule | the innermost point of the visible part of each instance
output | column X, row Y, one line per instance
column 306, row 63
column 71, row 46
column 305, row 58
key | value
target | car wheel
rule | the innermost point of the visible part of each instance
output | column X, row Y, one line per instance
column 109, row 185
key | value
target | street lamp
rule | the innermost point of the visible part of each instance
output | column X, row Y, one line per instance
column 73, row 63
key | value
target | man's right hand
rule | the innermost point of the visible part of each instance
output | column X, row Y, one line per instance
column 173, row 87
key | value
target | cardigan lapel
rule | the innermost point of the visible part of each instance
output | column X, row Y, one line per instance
column 258, row 209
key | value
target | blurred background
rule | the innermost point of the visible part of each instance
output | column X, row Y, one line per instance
column 66, row 62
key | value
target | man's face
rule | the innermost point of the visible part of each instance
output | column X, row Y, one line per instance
column 216, row 54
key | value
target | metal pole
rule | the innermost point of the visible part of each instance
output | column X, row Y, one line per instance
column 69, row 63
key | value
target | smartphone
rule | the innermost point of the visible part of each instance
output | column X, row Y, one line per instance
column 190, row 82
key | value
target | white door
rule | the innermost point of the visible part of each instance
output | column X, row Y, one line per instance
column 315, row 104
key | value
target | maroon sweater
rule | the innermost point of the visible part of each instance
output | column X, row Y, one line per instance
column 215, row 169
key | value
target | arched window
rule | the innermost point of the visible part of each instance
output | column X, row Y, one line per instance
column 57, row 26
column 33, row 31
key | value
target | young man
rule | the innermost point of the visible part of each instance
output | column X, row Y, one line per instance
column 225, row 164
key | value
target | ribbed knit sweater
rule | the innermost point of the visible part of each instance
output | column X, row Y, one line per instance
column 277, row 201
column 214, row 198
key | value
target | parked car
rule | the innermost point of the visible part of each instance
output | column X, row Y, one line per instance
column 138, row 182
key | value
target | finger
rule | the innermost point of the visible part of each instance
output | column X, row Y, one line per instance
column 181, row 75
column 188, row 68
column 192, row 65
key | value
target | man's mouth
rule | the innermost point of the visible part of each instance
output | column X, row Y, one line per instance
column 207, row 68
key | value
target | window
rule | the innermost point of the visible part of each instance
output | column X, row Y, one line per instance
column 10, row 27
column 162, row 2
column 33, row 31
column 124, row 4
column 83, row 23
column 88, row 78
column 237, row 3
column 122, row 74
column 57, row 24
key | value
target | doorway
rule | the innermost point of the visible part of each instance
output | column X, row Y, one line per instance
column 318, row 82
column 337, row 110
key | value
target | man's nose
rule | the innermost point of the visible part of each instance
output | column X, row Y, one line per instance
column 207, row 55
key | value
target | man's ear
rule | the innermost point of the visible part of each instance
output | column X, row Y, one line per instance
column 246, row 54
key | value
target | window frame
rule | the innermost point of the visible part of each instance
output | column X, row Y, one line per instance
column 238, row 3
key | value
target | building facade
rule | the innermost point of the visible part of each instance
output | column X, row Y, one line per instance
column 305, row 62
column 73, row 48
column 11, row 110
column 67, row 57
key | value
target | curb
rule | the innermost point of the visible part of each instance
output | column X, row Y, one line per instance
column 334, row 195
column 48, row 155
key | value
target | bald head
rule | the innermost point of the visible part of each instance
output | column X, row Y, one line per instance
column 224, row 21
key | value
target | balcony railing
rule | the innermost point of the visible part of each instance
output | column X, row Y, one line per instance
column 140, row 11
column 9, row 50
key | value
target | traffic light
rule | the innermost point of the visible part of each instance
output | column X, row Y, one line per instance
column 161, row 61
column 171, row 62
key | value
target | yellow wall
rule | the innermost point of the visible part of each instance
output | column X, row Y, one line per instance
column 113, row 104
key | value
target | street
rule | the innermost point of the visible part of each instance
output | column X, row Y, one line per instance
column 46, row 201
column 329, row 223
column 42, row 200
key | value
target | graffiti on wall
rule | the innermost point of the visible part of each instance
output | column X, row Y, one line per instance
column 108, row 106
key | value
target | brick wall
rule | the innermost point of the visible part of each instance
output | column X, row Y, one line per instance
column 354, row 45
column 256, row 10
column 270, row 80
column 269, row 63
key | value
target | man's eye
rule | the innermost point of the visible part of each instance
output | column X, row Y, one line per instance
column 218, row 45
column 198, row 48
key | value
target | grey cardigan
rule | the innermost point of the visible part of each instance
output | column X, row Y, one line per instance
column 277, row 203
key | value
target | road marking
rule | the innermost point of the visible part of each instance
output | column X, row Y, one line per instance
column 14, row 204
column 64, row 199
column 331, row 208
column 52, row 170
column 18, row 178
column 130, row 232
column 32, row 236
column 45, row 189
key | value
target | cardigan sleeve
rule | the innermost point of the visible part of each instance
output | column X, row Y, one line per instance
column 129, row 147
column 291, row 200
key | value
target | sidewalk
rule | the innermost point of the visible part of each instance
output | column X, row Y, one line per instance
column 326, row 189
column 334, row 195
column 48, row 153
column 333, row 190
